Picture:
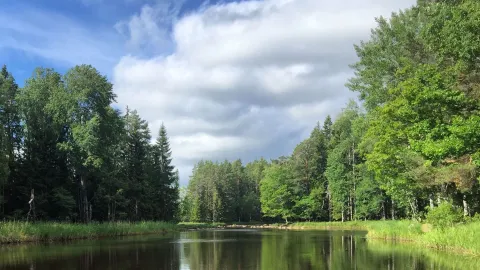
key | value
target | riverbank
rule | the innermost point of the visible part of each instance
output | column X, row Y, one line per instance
column 461, row 238
column 19, row 232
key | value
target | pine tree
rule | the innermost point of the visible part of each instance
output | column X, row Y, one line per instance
column 327, row 128
column 11, row 133
column 168, row 177
column 136, row 158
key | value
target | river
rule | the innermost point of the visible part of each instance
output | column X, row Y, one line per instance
column 232, row 249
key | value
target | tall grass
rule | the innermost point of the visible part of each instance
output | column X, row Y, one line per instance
column 462, row 238
column 435, row 259
column 16, row 232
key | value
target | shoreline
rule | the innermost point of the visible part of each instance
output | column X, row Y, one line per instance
column 16, row 232
column 38, row 240
column 401, row 231
column 408, row 233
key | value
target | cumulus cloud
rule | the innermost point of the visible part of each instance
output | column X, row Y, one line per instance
column 246, row 79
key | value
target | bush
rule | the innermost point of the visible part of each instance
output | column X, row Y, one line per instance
column 444, row 215
column 475, row 218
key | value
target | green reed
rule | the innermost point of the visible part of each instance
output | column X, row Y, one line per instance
column 16, row 231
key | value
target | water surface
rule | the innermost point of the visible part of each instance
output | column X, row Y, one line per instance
column 232, row 249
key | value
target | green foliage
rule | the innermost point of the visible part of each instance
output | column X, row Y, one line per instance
column 342, row 159
column 419, row 77
column 444, row 215
column 415, row 144
column 223, row 192
column 276, row 192
column 61, row 138
column 411, row 144
column 165, row 180
column 310, row 206
column 369, row 196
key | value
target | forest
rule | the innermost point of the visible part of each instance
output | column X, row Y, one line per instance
column 67, row 155
column 411, row 143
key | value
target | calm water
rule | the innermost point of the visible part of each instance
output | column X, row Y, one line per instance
column 232, row 249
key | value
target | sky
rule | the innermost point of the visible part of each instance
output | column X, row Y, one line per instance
column 229, row 79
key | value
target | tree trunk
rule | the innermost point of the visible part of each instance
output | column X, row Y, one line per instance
column 2, row 200
column 90, row 212
column 136, row 209
column 413, row 206
column 384, row 214
column 83, row 201
column 465, row 206
column 431, row 202
column 352, row 207
column 329, row 205
column 85, row 206
column 114, row 212
column 31, row 203
column 343, row 215
column 349, row 209
column 393, row 210
column 352, row 210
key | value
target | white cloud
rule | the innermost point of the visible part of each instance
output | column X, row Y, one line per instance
column 202, row 145
column 148, row 31
column 143, row 30
column 247, row 78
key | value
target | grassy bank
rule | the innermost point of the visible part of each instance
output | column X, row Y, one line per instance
column 435, row 259
column 461, row 238
column 17, row 232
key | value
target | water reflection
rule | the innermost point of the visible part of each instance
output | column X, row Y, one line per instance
column 233, row 249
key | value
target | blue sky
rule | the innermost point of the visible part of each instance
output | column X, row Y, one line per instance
column 230, row 79
column 31, row 26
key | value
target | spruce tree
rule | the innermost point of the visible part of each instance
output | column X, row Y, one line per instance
column 168, row 177
column 136, row 158
column 11, row 133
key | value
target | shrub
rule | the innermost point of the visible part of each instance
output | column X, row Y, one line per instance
column 444, row 215
column 475, row 218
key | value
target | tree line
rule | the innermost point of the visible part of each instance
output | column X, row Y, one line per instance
column 67, row 154
column 412, row 143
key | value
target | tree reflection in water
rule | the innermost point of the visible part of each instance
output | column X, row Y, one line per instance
column 233, row 249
